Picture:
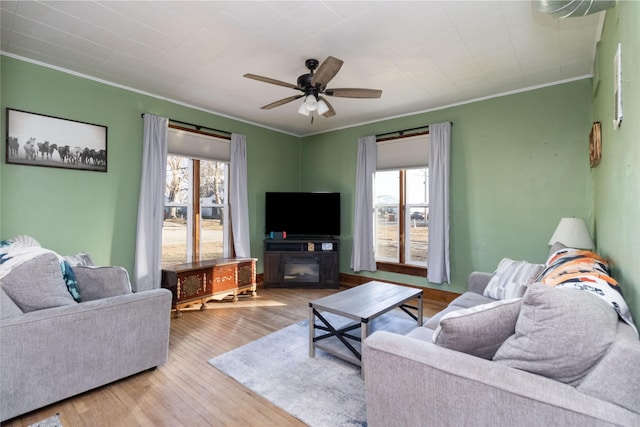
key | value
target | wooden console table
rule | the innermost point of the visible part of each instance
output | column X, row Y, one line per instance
column 200, row 282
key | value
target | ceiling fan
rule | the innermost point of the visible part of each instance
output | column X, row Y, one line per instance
column 314, row 85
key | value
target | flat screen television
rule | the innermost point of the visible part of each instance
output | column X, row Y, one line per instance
column 302, row 213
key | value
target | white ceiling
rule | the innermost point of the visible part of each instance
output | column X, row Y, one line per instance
column 422, row 55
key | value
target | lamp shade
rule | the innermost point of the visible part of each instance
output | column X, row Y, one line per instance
column 572, row 232
column 311, row 103
column 322, row 107
column 303, row 109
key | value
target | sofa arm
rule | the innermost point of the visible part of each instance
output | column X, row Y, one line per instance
column 416, row 383
column 478, row 280
column 101, row 282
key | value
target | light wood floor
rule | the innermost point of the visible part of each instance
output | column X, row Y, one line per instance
column 187, row 391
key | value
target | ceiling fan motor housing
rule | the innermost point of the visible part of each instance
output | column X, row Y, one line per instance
column 304, row 81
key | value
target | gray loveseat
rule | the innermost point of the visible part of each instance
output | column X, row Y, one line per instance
column 51, row 353
column 411, row 381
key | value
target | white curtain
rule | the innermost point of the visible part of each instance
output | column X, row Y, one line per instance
column 363, row 251
column 439, row 160
column 148, row 256
column 238, row 198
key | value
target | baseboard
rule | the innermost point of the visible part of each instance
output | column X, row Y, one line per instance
column 351, row 280
column 436, row 295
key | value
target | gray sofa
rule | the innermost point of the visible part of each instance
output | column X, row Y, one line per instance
column 410, row 381
column 49, row 354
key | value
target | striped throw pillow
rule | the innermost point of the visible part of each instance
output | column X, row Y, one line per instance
column 511, row 279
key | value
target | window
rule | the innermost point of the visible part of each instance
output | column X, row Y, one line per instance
column 401, row 187
column 402, row 217
column 196, row 219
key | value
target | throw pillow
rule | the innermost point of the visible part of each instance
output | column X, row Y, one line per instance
column 560, row 333
column 37, row 284
column 587, row 271
column 511, row 279
column 81, row 259
column 479, row 330
column 70, row 279
column 102, row 282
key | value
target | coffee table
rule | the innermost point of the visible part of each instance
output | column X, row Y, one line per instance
column 362, row 304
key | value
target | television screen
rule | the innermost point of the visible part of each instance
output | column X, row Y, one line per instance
column 303, row 214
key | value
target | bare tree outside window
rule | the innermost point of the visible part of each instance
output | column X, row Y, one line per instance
column 187, row 237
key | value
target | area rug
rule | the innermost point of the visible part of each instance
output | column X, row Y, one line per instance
column 53, row 421
column 324, row 391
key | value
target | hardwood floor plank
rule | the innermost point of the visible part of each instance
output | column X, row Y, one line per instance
column 187, row 391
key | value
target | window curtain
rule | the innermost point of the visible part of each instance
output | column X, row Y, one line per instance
column 363, row 251
column 439, row 160
column 238, row 198
column 148, row 256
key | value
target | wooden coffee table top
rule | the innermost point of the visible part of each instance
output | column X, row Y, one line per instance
column 366, row 301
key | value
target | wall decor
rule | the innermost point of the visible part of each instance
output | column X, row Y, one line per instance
column 617, row 88
column 595, row 80
column 40, row 140
column 595, row 144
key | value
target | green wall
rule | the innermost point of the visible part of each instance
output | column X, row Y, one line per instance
column 519, row 164
column 617, row 178
column 71, row 211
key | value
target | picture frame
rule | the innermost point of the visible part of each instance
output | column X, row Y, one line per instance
column 595, row 144
column 35, row 139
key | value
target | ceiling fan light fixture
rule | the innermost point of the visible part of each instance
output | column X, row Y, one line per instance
column 311, row 103
column 322, row 107
column 303, row 109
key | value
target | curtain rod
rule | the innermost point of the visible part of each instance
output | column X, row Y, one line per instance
column 402, row 131
column 198, row 127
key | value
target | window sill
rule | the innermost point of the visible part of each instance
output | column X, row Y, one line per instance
column 410, row 270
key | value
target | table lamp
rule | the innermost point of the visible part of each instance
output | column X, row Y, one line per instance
column 573, row 233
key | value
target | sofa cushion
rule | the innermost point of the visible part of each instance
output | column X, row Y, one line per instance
column 421, row 333
column 560, row 333
column 616, row 378
column 8, row 308
column 466, row 300
column 511, row 279
column 479, row 330
column 470, row 299
column 102, row 282
column 37, row 284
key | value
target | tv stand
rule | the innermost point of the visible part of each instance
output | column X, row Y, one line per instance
column 301, row 262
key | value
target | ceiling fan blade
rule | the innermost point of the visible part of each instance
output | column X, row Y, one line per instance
column 281, row 102
column 354, row 93
column 331, row 111
column 326, row 71
column 270, row 80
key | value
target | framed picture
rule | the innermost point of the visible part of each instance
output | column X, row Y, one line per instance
column 39, row 140
column 595, row 144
